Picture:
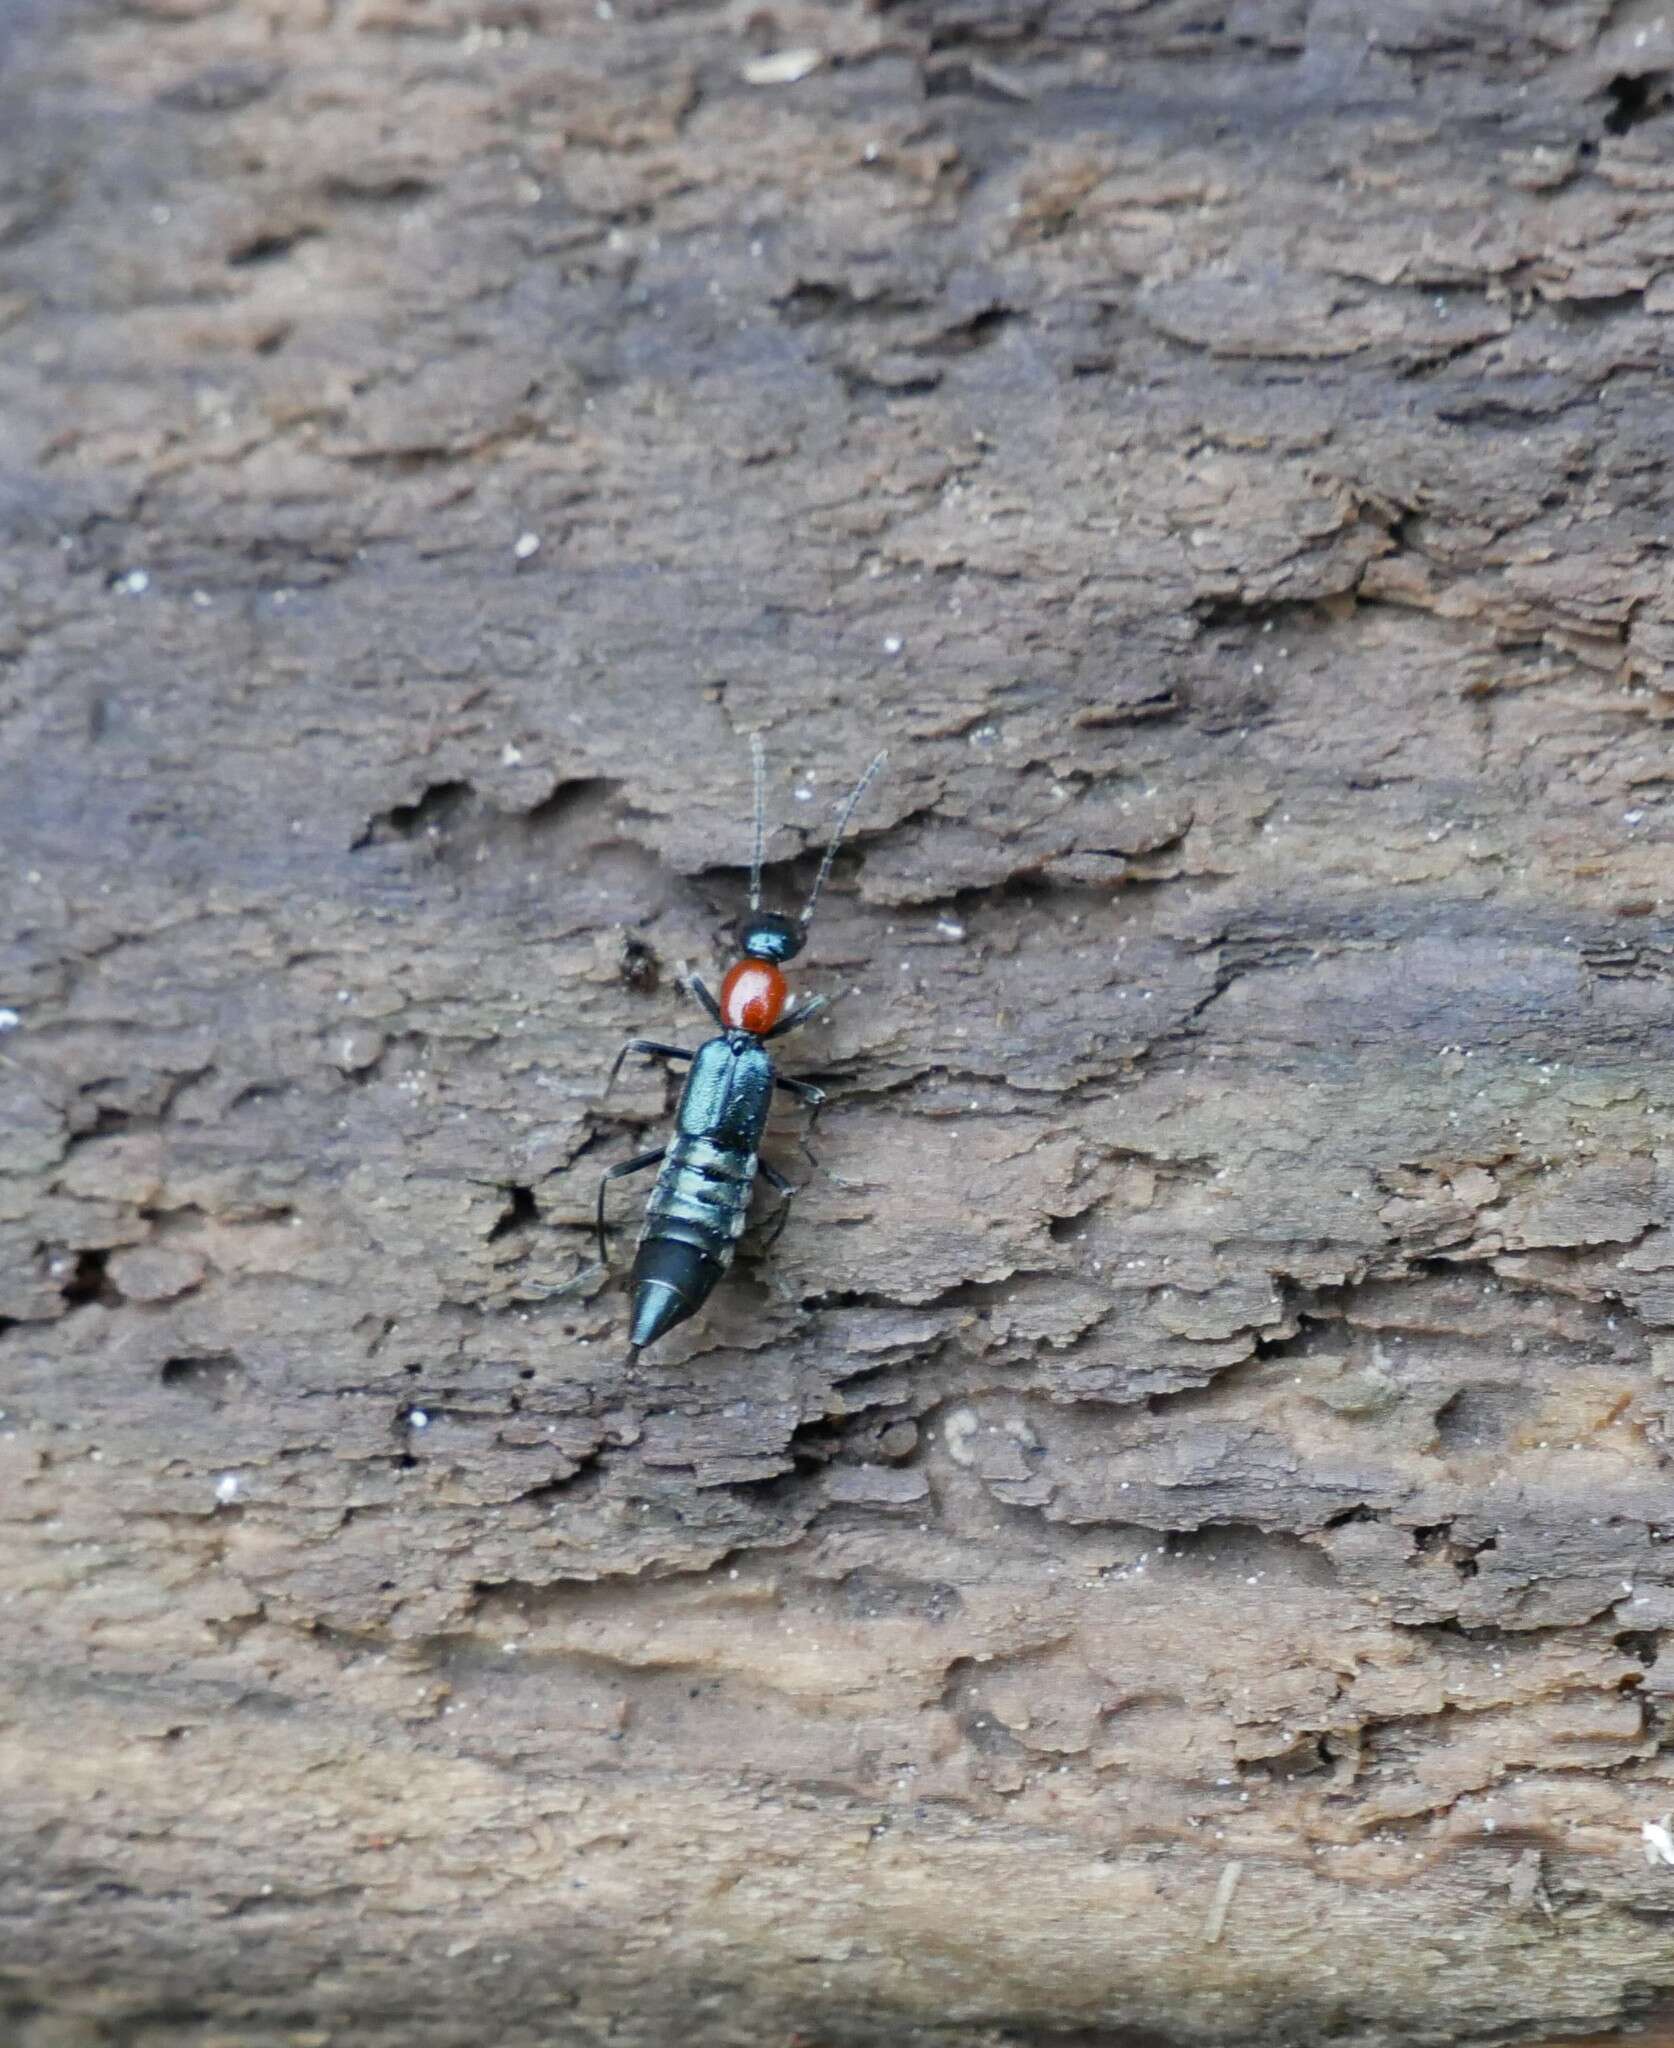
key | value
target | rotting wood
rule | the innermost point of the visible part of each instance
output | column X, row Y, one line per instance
column 1210, row 1412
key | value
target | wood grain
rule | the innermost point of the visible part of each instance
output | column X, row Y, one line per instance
column 1170, row 1547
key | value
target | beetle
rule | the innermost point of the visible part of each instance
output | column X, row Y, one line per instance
column 697, row 1210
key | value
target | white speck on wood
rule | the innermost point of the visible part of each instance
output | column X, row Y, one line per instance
column 782, row 67
column 1215, row 1925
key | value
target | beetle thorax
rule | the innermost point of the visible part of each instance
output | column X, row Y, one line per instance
column 753, row 996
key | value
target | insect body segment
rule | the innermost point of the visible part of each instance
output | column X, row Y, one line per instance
column 753, row 997
column 697, row 1210
column 708, row 1170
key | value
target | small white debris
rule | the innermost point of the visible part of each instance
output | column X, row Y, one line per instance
column 135, row 583
column 893, row 644
column 226, row 1492
column 1659, row 1840
column 511, row 756
column 803, row 794
column 949, row 928
column 9, row 1020
column 417, row 1418
column 782, row 67
column 202, row 599
column 957, row 1432
column 1527, row 1886
column 1215, row 1925
column 1632, row 817
column 525, row 545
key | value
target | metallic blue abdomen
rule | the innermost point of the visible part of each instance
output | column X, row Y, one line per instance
column 698, row 1208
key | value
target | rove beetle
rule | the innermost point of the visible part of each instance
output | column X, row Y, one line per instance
column 697, row 1209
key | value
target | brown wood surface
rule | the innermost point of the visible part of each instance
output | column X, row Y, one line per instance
column 1170, row 1546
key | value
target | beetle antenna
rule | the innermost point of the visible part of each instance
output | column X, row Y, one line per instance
column 758, row 762
column 843, row 818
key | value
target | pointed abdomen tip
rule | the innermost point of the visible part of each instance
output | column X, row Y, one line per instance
column 657, row 1308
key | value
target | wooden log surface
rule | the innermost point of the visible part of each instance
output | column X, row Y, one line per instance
column 1170, row 1546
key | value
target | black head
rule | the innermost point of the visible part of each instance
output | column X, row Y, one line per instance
column 765, row 935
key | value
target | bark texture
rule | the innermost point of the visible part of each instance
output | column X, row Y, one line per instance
column 1171, row 1545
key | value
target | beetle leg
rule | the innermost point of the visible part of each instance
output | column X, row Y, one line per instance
column 637, row 1164
column 813, row 1099
column 697, row 988
column 804, row 1091
column 787, row 1191
column 651, row 1045
column 802, row 1014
